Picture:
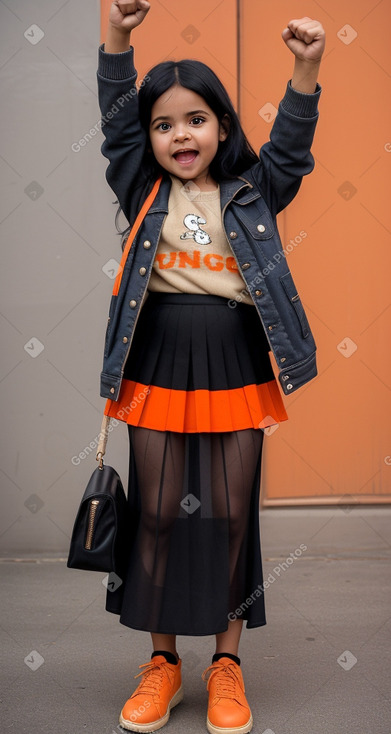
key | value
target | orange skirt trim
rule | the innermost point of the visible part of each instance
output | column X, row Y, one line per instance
column 197, row 411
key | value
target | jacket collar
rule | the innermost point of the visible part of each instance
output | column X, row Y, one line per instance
column 228, row 191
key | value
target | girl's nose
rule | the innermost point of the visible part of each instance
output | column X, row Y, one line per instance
column 181, row 134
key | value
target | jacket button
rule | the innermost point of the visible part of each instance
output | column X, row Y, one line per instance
column 233, row 235
column 270, row 328
column 245, row 266
column 289, row 386
column 261, row 227
column 285, row 377
column 112, row 390
column 146, row 244
column 132, row 303
column 125, row 339
column 258, row 293
column 142, row 271
column 283, row 359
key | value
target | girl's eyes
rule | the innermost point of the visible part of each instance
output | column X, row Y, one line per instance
column 164, row 126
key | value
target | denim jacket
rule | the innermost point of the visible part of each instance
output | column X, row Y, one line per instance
column 249, row 205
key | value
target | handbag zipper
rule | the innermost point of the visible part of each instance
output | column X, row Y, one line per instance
column 91, row 519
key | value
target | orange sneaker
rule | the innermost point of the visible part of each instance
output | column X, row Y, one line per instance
column 228, row 710
column 160, row 690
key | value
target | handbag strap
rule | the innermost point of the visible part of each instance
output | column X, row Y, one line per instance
column 136, row 226
column 104, row 430
column 103, row 436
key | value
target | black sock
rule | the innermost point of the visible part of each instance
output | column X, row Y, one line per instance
column 219, row 655
column 170, row 657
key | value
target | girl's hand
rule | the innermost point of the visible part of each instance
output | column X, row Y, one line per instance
column 305, row 38
column 124, row 16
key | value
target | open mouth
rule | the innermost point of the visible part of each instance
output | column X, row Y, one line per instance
column 185, row 156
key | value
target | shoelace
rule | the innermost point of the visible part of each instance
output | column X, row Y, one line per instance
column 153, row 677
column 226, row 680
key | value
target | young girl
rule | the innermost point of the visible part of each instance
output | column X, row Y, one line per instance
column 205, row 295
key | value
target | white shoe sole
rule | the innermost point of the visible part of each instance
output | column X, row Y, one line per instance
column 225, row 730
column 154, row 725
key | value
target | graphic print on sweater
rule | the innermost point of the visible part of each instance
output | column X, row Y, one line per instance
column 193, row 254
column 193, row 222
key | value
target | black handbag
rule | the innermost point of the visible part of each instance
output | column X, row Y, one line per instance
column 103, row 529
column 101, row 532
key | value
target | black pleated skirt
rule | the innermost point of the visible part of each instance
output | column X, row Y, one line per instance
column 197, row 364
column 198, row 388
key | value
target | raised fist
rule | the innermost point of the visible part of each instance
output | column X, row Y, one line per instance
column 125, row 16
column 305, row 38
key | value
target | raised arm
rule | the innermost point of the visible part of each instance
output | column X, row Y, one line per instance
column 287, row 157
column 124, row 142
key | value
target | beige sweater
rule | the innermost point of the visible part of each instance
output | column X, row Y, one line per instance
column 193, row 254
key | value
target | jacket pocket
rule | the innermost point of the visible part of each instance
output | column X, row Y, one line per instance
column 294, row 298
column 113, row 304
column 258, row 223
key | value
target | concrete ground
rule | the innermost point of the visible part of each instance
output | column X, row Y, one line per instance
column 321, row 665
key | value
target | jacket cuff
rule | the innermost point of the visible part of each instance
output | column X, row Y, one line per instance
column 115, row 66
column 299, row 103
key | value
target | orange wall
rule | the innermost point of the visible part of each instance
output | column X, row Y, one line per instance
column 335, row 445
column 173, row 30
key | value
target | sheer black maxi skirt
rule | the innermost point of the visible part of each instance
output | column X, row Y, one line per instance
column 198, row 389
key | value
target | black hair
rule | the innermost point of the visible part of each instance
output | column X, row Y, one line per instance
column 235, row 154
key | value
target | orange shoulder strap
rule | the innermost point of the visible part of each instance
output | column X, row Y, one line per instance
column 103, row 435
column 145, row 207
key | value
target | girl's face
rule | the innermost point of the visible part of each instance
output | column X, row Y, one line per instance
column 184, row 134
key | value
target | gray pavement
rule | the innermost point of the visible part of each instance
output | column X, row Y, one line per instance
column 321, row 665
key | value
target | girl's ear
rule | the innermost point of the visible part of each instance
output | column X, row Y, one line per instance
column 225, row 126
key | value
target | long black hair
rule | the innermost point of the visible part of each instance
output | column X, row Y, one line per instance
column 235, row 154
